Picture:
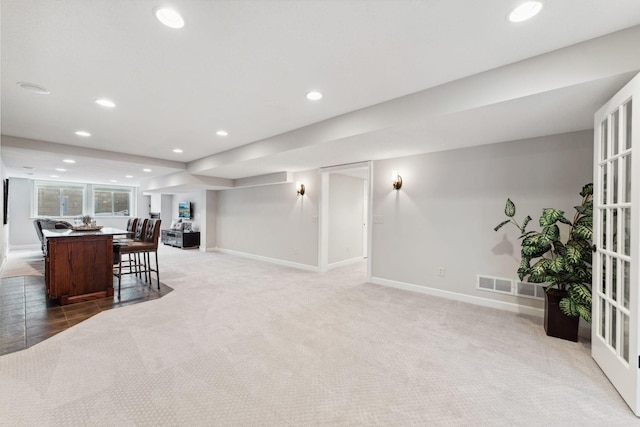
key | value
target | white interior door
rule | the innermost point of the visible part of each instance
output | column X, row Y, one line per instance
column 614, row 332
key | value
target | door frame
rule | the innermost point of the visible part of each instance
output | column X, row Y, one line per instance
column 323, row 213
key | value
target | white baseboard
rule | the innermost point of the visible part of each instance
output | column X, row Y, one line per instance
column 485, row 302
column 276, row 261
column 345, row 263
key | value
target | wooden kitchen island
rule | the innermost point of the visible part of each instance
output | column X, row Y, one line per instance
column 79, row 264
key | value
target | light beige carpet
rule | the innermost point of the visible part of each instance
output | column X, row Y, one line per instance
column 245, row 343
column 23, row 263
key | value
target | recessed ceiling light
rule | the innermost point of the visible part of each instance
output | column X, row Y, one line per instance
column 28, row 167
column 28, row 173
column 170, row 17
column 146, row 170
column 177, row 150
column 105, row 102
column 69, row 161
column 53, row 176
column 61, row 169
column 314, row 95
column 113, row 180
column 82, row 133
column 222, row 132
column 128, row 176
column 34, row 88
column 526, row 10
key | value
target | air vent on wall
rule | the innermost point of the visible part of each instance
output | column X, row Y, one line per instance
column 505, row 286
column 495, row 284
column 530, row 290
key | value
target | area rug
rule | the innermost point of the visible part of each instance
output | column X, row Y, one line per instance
column 23, row 263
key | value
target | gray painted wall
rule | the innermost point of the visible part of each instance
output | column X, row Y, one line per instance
column 203, row 215
column 198, row 207
column 346, row 202
column 450, row 201
column 271, row 221
column 20, row 227
column 208, row 238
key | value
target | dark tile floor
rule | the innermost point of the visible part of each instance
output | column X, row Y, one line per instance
column 27, row 316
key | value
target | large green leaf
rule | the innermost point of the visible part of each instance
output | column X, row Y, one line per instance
column 584, row 311
column 499, row 226
column 510, row 209
column 527, row 234
column 584, row 245
column 583, row 231
column 550, row 234
column 585, row 220
column 586, row 210
column 567, row 271
column 568, row 307
column 524, row 269
column 550, row 216
column 573, row 254
column 587, row 190
column 537, row 278
column 581, row 293
column 534, row 251
column 572, row 308
column 559, row 248
column 540, row 267
column 557, row 264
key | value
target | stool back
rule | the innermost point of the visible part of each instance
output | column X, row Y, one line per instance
column 131, row 224
column 152, row 232
column 141, row 227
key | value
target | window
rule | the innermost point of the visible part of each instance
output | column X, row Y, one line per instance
column 112, row 201
column 57, row 199
column 65, row 199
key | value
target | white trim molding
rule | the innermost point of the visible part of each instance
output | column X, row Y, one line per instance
column 485, row 302
column 276, row 261
column 346, row 262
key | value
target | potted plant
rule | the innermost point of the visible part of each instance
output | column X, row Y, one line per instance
column 564, row 265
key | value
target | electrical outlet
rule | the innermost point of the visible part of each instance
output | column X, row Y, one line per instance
column 441, row 271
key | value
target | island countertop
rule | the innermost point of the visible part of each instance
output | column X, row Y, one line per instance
column 67, row 232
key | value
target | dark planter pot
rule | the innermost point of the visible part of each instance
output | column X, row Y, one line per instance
column 556, row 323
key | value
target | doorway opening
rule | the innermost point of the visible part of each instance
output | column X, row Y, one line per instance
column 344, row 216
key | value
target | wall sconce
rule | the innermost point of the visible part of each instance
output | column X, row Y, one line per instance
column 300, row 188
column 396, row 180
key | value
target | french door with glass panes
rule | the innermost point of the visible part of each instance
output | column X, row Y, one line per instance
column 614, row 343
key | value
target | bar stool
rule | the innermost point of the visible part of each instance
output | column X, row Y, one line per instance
column 141, row 250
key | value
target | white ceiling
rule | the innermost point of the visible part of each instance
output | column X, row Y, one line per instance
column 399, row 77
